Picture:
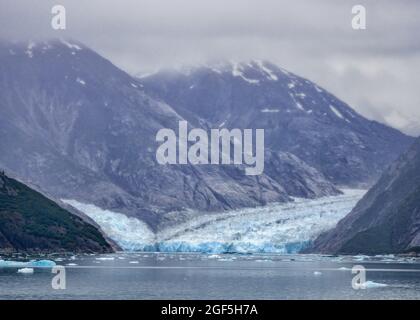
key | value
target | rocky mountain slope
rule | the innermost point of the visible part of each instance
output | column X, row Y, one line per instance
column 80, row 128
column 387, row 219
column 30, row 222
column 298, row 116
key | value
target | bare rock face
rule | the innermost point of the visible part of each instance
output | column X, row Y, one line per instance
column 298, row 116
column 80, row 128
column 387, row 218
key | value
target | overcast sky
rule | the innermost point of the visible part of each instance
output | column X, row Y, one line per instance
column 377, row 70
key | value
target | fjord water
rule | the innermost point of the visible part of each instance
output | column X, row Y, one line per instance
column 206, row 276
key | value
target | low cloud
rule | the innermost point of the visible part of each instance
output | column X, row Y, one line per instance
column 374, row 70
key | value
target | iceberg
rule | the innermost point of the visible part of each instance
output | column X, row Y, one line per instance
column 26, row 270
column 105, row 258
column 274, row 228
column 372, row 284
column 30, row 264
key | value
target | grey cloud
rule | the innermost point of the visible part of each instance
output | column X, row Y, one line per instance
column 376, row 70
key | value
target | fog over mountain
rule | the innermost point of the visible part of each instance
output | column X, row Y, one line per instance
column 374, row 70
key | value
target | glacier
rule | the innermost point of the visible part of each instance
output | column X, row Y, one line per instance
column 274, row 228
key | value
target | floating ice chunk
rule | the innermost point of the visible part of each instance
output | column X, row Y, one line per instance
column 42, row 264
column 360, row 257
column 26, row 270
column 133, row 85
column 343, row 268
column 71, row 264
column 317, row 273
column 221, row 259
column 30, row 264
column 388, row 256
column 291, row 85
column 105, row 258
column 134, row 262
column 371, row 285
column 266, row 110
column 81, row 81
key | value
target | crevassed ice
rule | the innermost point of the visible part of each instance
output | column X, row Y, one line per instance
column 275, row 228
column 130, row 233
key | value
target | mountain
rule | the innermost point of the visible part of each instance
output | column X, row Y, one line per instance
column 80, row 128
column 387, row 218
column 298, row 116
column 30, row 222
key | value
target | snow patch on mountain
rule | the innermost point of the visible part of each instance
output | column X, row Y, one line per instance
column 299, row 106
column 237, row 72
column 336, row 112
column 71, row 45
column 271, row 75
column 29, row 49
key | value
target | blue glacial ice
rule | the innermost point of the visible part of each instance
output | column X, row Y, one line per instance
column 275, row 228
column 29, row 264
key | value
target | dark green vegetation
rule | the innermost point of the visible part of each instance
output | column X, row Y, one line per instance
column 30, row 222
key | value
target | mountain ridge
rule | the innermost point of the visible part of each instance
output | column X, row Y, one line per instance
column 259, row 94
column 83, row 129
column 387, row 218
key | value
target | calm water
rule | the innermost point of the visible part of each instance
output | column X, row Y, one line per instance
column 200, row 276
